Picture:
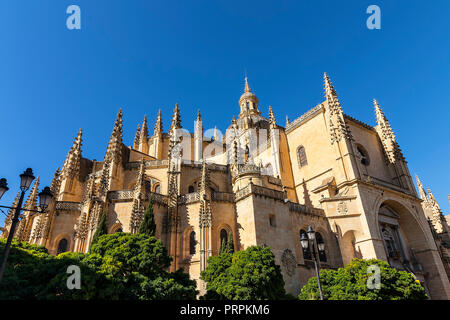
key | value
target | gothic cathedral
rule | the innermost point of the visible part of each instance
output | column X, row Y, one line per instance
column 259, row 184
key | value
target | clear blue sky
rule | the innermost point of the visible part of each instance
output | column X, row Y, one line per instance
column 145, row 55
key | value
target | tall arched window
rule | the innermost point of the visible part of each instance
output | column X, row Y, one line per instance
column 322, row 254
column 223, row 237
column 190, row 189
column 192, row 243
column 306, row 252
column 158, row 189
column 301, row 156
column 62, row 246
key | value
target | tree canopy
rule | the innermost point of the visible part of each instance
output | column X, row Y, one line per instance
column 249, row 274
column 350, row 283
column 148, row 225
column 118, row 266
column 101, row 228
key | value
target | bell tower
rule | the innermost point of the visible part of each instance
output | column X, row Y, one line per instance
column 248, row 102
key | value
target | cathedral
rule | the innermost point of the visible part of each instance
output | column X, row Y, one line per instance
column 261, row 183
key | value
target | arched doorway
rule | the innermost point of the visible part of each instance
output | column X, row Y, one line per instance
column 62, row 246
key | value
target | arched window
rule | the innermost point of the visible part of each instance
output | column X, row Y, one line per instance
column 223, row 236
column 322, row 254
column 190, row 189
column 62, row 246
column 192, row 243
column 158, row 189
column 363, row 155
column 306, row 252
column 301, row 156
column 119, row 230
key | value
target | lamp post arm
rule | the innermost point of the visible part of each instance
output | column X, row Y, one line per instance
column 11, row 235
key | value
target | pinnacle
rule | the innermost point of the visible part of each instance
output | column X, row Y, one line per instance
column 329, row 89
column 247, row 86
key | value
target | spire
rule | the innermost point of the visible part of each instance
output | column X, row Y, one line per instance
column 387, row 136
column 329, row 89
column 248, row 101
column 176, row 119
column 158, row 125
column 56, row 182
column 337, row 126
column 198, row 124
column 71, row 166
column 247, row 86
column 114, row 150
column 10, row 215
column 103, row 185
column 422, row 192
column 32, row 198
column 144, row 131
column 137, row 137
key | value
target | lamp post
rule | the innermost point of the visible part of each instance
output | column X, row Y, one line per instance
column 45, row 197
column 306, row 242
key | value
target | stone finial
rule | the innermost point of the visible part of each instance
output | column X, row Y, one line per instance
column 72, row 164
column 272, row 120
column 55, row 185
column 137, row 137
column 422, row 192
column 158, row 125
column 387, row 136
column 143, row 137
column 247, row 86
column 337, row 127
column 114, row 150
column 10, row 215
column 32, row 198
column 287, row 120
column 176, row 119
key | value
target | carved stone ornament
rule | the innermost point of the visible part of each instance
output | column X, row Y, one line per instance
column 342, row 208
column 289, row 262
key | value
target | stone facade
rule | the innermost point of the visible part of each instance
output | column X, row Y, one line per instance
column 346, row 179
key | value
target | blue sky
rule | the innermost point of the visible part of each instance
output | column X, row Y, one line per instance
column 145, row 55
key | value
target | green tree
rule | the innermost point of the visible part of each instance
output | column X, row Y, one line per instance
column 148, row 225
column 250, row 274
column 350, row 283
column 101, row 229
column 118, row 266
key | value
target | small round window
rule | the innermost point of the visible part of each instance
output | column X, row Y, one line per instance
column 363, row 155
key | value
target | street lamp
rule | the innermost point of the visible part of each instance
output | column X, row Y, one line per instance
column 309, row 241
column 45, row 197
column 3, row 187
column 26, row 179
